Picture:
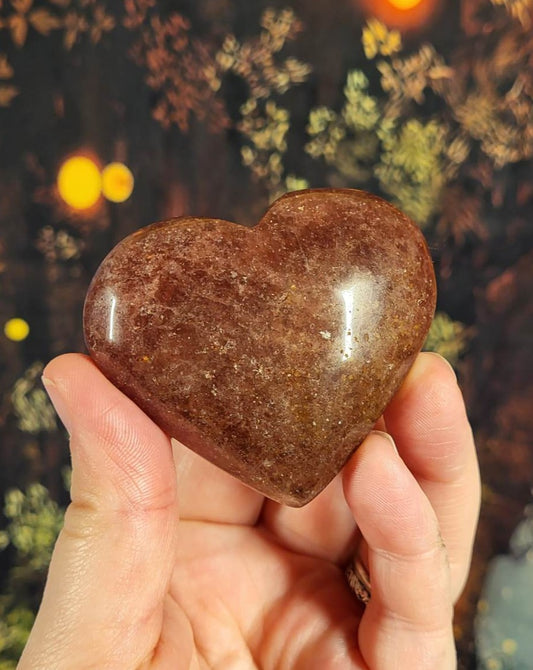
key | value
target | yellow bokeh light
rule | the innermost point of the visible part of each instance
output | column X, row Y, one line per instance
column 405, row 4
column 16, row 329
column 117, row 182
column 79, row 182
column 509, row 646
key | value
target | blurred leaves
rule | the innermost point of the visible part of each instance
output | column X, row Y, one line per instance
column 101, row 23
column 89, row 18
column 33, row 524
column 411, row 165
column 30, row 403
column 405, row 80
column 188, row 72
column 376, row 137
column 522, row 10
column 136, row 12
column 348, row 141
column 361, row 111
column 486, row 103
column 75, row 25
column 378, row 39
column 408, row 159
column 181, row 70
column 492, row 99
column 84, row 16
column 256, row 60
column 43, row 21
column 24, row 15
column 461, row 215
column 448, row 338
column 15, row 627
column 326, row 130
column 264, row 127
column 58, row 245
column 7, row 91
column 6, row 71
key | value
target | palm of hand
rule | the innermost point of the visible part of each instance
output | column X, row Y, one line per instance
column 251, row 603
column 258, row 589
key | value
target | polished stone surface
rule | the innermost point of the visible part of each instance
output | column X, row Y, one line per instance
column 271, row 351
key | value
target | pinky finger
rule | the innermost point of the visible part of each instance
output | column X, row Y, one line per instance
column 408, row 621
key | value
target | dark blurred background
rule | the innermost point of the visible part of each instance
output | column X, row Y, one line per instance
column 118, row 113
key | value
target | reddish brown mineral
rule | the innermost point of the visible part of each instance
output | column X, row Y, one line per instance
column 271, row 351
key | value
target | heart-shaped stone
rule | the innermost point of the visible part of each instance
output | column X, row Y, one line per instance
column 270, row 351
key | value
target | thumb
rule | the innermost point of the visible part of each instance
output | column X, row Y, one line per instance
column 103, row 600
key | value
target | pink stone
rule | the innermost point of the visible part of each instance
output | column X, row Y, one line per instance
column 270, row 351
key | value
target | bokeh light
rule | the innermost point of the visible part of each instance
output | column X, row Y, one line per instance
column 405, row 4
column 117, row 182
column 79, row 182
column 405, row 15
column 16, row 329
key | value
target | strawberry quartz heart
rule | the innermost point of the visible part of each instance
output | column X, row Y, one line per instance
column 270, row 351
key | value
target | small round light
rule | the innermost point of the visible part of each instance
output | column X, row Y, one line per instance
column 16, row 329
column 79, row 182
column 117, row 182
column 405, row 4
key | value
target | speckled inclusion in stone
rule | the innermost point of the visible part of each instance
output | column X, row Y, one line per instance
column 271, row 351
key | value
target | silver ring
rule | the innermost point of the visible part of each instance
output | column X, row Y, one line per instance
column 359, row 580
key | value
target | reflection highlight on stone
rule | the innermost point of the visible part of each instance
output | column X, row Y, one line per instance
column 362, row 311
column 112, row 311
column 348, row 297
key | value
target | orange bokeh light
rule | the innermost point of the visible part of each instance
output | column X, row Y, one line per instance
column 117, row 182
column 402, row 14
column 405, row 4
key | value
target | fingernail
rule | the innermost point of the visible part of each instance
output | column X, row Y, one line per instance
column 54, row 392
column 388, row 437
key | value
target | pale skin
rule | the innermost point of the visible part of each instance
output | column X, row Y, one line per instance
column 167, row 562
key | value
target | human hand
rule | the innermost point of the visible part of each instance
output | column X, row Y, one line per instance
column 241, row 582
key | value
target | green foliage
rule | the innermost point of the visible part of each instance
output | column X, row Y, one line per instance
column 30, row 403
column 361, row 111
column 33, row 524
column 326, row 131
column 411, row 167
column 347, row 141
column 370, row 137
column 15, row 627
column 293, row 183
column 409, row 161
column 258, row 60
column 405, row 80
column 265, row 124
column 378, row 39
column 447, row 337
column 264, row 127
